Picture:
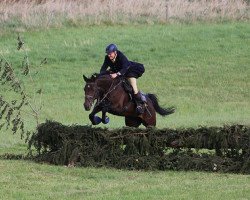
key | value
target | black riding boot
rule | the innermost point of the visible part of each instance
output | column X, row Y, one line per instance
column 139, row 103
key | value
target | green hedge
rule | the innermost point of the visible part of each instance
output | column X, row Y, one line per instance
column 224, row 149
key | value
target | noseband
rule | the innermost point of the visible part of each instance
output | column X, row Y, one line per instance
column 89, row 97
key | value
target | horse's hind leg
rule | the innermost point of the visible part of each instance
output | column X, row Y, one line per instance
column 132, row 121
column 149, row 119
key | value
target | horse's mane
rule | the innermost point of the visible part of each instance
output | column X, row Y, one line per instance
column 95, row 76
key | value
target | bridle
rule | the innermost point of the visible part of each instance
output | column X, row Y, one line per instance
column 105, row 96
column 111, row 89
column 91, row 97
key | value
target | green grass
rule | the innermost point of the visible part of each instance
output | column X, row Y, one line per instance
column 26, row 180
column 201, row 69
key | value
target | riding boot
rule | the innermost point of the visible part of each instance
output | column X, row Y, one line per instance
column 139, row 103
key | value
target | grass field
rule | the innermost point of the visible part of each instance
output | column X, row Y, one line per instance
column 26, row 180
column 201, row 69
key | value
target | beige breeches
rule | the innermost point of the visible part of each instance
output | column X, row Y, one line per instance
column 132, row 81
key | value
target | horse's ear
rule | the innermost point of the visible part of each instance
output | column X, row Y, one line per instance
column 85, row 78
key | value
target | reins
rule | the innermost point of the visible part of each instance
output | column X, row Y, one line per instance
column 108, row 92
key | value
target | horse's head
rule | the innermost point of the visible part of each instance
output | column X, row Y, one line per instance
column 90, row 91
column 96, row 87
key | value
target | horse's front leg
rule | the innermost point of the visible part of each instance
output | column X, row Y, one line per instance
column 93, row 118
column 105, row 119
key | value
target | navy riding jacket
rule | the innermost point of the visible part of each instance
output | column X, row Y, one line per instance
column 123, row 66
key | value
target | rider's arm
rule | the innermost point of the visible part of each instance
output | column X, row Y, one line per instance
column 125, row 64
column 104, row 66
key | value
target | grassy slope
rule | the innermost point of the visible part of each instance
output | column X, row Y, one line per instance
column 201, row 69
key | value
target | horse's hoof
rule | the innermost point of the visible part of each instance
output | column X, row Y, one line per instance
column 106, row 121
column 96, row 120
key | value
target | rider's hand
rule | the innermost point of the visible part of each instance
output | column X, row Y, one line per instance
column 114, row 75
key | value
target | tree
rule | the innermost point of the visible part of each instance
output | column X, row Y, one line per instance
column 14, row 99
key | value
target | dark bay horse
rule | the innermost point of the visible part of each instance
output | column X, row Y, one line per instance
column 111, row 97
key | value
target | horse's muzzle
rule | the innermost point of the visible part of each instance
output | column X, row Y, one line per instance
column 87, row 105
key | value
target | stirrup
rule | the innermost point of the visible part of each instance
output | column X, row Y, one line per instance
column 139, row 103
column 139, row 109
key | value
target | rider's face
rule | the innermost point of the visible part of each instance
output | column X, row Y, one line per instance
column 112, row 55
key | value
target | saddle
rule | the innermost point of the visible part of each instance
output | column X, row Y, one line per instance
column 129, row 89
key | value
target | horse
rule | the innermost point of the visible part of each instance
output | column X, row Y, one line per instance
column 111, row 96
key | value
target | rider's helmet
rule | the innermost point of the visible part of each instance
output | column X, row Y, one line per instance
column 111, row 48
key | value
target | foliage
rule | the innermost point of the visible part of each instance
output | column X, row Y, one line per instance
column 12, row 106
column 148, row 149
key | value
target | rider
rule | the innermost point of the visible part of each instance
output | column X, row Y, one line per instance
column 121, row 66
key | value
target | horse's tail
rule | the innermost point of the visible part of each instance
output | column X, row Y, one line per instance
column 158, row 108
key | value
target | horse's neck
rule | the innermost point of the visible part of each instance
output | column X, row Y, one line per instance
column 111, row 87
column 107, row 84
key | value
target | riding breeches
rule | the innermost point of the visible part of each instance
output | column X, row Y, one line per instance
column 132, row 81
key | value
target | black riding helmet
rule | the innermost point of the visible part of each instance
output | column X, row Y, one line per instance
column 111, row 48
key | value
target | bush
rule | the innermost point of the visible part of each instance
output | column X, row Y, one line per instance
column 224, row 149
